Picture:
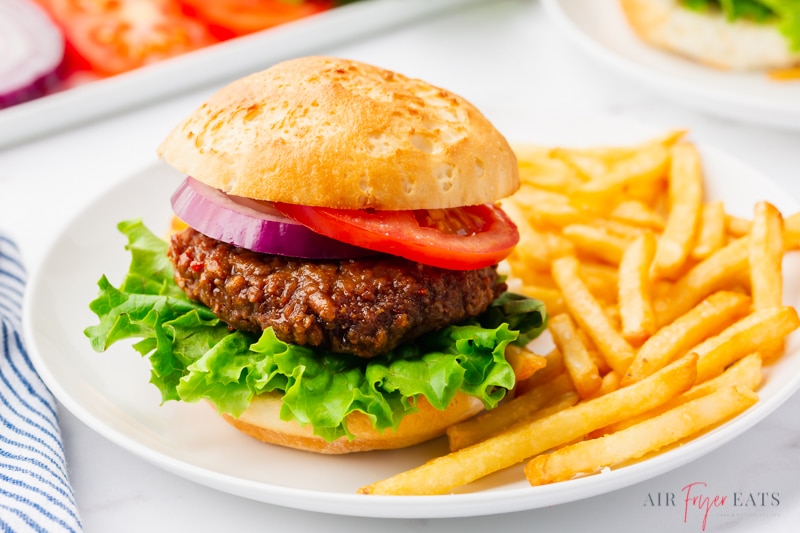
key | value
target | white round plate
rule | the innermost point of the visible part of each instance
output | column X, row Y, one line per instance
column 600, row 28
column 111, row 394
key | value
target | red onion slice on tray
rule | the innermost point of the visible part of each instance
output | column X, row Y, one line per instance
column 31, row 50
column 253, row 224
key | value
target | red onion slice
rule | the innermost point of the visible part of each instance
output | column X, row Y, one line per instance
column 31, row 50
column 253, row 224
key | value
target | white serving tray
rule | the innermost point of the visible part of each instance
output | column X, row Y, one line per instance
column 226, row 60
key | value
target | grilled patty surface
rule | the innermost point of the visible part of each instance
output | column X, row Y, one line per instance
column 364, row 306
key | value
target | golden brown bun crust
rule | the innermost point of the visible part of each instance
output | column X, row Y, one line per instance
column 708, row 37
column 337, row 133
column 262, row 421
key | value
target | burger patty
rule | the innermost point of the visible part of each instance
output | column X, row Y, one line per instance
column 363, row 306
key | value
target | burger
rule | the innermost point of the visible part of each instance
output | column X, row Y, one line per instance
column 334, row 286
column 737, row 35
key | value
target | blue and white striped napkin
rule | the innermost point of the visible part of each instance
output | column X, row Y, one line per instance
column 35, row 492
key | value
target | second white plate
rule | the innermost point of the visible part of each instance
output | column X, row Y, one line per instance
column 599, row 27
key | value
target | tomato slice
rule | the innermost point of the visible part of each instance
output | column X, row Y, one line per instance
column 229, row 18
column 462, row 238
column 114, row 36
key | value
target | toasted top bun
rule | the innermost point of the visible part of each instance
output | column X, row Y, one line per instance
column 262, row 421
column 336, row 133
column 709, row 38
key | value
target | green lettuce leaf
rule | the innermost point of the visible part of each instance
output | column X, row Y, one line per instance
column 194, row 356
column 784, row 13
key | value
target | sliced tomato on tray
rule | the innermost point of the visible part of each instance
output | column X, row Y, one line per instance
column 114, row 36
column 461, row 238
column 230, row 18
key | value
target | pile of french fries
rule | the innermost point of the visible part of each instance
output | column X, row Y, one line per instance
column 664, row 310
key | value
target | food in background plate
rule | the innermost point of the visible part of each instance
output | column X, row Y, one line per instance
column 340, row 261
column 736, row 34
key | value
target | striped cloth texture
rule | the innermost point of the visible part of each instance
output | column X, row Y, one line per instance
column 35, row 492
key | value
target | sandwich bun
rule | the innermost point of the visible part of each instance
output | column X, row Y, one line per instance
column 329, row 132
column 262, row 421
column 710, row 38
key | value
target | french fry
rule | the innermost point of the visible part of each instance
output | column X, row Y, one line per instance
column 600, row 362
column 519, row 408
column 791, row 232
column 644, row 167
column 717, row 272
column 531, row 201
column 587, row 165
column 553, row 301
column 707, row 319
column 668, row 139
column 445, row 473
column 766, row 257
column 685, row 198
column 600, row 279
column 766, row 265
column 635, row 302
column 553, row 369
column 593, row 163
column 745, row 372
column 612, row 154
column 712, row 234
column 596, row 241
column 609, row 382
column 743, row 337
column 618, row 227
column 586, row 311
column 580, row 367
column 537, row 167
column 651, row 193
column 740, row 227
column 536, row 249
column 639, row 214
column 559, row 403
column 524, row 362
column 529, row 196
column 530, row 276
column 737, row 226
column 557, row 215
column 612, row 312
column 591, row 456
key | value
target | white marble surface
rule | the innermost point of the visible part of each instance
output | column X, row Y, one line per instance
column 495, row 51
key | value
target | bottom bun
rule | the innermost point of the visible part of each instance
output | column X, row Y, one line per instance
column 709, row 38
column 262, row 421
